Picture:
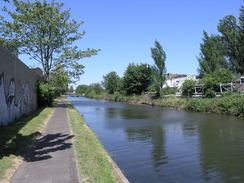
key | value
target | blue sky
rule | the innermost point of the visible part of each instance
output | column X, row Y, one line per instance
column 125, row 30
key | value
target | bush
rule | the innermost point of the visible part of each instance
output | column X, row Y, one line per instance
column 209, row 93
column 152, row 88
column 45, row 94
column 168, row 91
column 188, row 87
column 211, row 81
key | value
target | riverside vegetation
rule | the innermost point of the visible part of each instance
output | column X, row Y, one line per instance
column 228, row 103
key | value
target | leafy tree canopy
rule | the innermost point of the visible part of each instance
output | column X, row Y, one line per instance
column 60, row 81
column 232, row 35
column 212, row 55
column 45, row 32
column 137, row 78
column 111, row 82
column 224, row 51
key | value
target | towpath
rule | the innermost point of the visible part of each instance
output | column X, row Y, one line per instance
column 51, row 160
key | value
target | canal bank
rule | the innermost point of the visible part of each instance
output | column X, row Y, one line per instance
column 94, row 163
column 230, row 104
column 154, row 144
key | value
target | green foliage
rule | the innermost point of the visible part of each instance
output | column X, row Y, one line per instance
column 45, row 32
column 159, row 69
column 224, row 50
column 82, row 89
column 209, row 93
column 232, row 104
column 90, row 91
column 232, row 35
column 211, row 81
column 60, row 81
column 212, row 55
column 224, row 76
column 152, row 88
column 111, row 82
column 97, row 88
column 188, row 87
column 136, row 78
column 120, row 88
column 46, row 94
column 168, row 91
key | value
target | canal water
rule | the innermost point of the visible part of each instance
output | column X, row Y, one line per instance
column 157, row 145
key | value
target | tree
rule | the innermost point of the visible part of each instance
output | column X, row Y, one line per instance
column 110, row 82
column 232, row 35
column 97, row 88
column 82, row 89
column 45, row 32
column 159, row 69
column 137, row 78
column 60, row 81
column 212, row 55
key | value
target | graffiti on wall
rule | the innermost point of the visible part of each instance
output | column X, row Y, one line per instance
column 11, row 106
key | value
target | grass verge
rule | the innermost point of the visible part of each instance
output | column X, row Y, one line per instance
column 16, row 138
column 94, row 165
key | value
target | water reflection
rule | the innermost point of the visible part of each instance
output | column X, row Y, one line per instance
column 156, row 137
column 133, row 112
column 189, row 129
column 222, row 149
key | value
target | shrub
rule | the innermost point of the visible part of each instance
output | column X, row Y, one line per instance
column 188, row 87
column 168, row 91
column 209, row 93
column 45, row 94
column 152, row 88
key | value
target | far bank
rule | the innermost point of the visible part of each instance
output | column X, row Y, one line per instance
column 231, row 104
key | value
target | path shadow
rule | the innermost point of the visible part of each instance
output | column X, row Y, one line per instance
column 32, row 147
column 12, row 141
column 48, row 144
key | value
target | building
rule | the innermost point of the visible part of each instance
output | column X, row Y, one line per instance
column 177, row 80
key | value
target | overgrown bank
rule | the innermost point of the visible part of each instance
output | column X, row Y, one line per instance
column 16, row 138
column 94, row 163
column 232, row 104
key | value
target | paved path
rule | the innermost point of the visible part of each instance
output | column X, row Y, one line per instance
column 52, row 158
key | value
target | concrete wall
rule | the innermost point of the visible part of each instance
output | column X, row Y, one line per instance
column 17, row 87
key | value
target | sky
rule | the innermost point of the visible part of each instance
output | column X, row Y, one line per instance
column 125, row 30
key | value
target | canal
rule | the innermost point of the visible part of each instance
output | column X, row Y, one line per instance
column 157, row 145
